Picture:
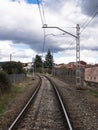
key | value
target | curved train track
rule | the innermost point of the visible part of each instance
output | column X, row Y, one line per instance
column 44, row 110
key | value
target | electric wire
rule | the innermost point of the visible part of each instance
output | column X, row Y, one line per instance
column 43, row 12
column 40, row 12
column 87, row 22
column 72, row 43
column 44, row 41
column 44, row 30
column 43, row 20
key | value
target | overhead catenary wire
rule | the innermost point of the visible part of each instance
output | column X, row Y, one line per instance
column 44, row 30
column 43, row 20
column 42, row 15
column 87, row 22
column 44, row 40
column 43, row 12
column 40, row 12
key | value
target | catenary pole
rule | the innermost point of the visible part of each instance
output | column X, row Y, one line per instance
column 77, row 36
column 78, row 69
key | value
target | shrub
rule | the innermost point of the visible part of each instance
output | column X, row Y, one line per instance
column 13, row 67
column 5, row 84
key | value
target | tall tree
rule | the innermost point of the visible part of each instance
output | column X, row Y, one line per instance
column 48, row 60
column 38, row 61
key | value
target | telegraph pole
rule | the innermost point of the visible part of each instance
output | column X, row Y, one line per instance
column 11, row 54
column 33, row 68
column 10, row 57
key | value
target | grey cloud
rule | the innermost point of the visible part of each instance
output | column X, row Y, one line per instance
column 49, row 44
column 89, row 6
column 92, row 48
column 55, row 4
column 33, row 39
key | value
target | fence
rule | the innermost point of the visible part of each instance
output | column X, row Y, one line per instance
column 69, row 75
column 15, row 78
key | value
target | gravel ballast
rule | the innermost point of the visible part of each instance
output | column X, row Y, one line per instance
column 81, row 105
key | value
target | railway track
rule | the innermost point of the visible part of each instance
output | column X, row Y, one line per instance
column 45, row 112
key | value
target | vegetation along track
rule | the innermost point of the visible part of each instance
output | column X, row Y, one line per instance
column 46, row 111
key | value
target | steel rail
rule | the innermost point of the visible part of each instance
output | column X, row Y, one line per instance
column 64, row 110
column 62, row 105
column 24, row 109
column 28, row 103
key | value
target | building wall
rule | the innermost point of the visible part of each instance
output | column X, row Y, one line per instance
column 91, row 74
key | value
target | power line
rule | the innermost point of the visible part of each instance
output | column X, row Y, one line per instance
column 44, row 40
column 44, row 31
column 42, row 16
column 86, row 21
column 43, row 13
column 40, row 12
column 89, row 21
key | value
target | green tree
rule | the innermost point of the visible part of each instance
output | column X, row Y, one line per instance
column 13, row 67
column 48, row 60
column 38, row 62
column 5, row 83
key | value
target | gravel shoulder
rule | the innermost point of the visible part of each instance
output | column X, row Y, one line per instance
column 81, row 105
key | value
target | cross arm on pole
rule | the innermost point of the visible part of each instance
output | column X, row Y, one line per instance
column 45, row 26
column 77, row 36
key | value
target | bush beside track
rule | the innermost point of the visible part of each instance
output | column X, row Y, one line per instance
column 13, row 109
column 5, row 84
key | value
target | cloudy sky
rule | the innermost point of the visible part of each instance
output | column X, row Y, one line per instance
column 22, row 35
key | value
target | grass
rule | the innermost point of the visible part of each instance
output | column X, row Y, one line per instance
column 8, row 97
column 81, row 88
column 93, row 92
column 5, row 99
column 90, row 91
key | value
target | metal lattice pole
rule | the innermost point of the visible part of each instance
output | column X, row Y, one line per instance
column 78, row 71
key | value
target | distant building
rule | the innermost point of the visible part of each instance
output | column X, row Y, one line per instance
column 2, row 63
column 71, row 65
column 91, row 74
column 28, row 66
column 57, row 66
